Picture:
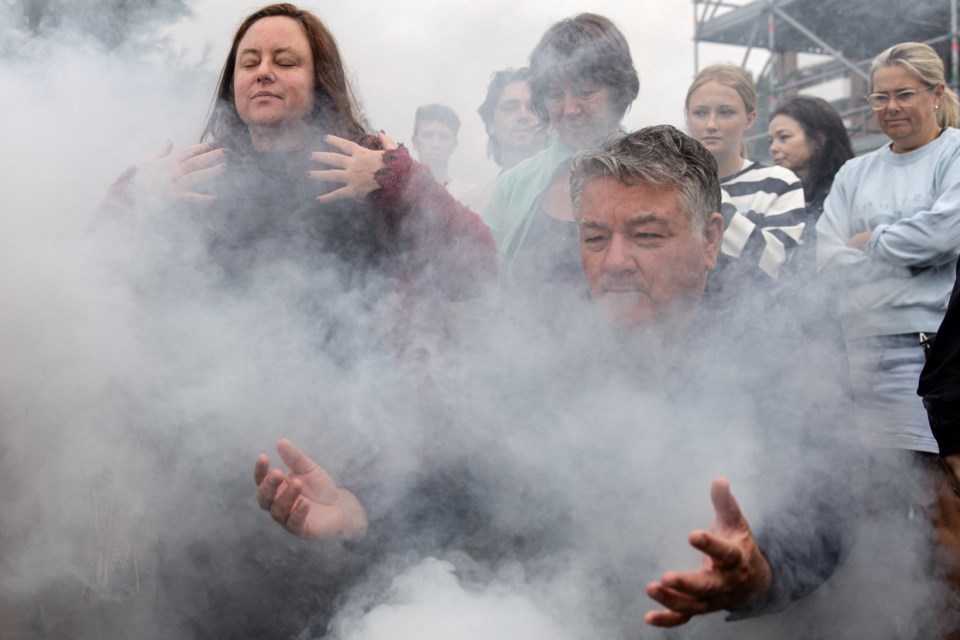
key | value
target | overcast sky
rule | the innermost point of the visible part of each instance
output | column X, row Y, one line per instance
column 410, row 52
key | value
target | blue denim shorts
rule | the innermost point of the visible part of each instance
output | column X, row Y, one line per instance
column 884, row 372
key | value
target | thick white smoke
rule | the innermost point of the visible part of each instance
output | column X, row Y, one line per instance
column 139, row 386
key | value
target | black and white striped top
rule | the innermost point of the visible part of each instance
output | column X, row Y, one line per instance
column 763, row 214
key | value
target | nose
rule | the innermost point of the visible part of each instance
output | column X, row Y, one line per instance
column 265, row 71
column 892, row 100
column 527, row 114
column 712, row 122
column 618, row 260
column 774, row 147
column 571, row 104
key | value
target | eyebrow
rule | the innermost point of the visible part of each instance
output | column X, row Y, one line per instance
column 892, row 91
column 647, row 218
column 592, row 224
column 637, row 220
column 275, row 51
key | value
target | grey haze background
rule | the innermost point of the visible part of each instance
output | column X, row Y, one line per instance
column 93, row 371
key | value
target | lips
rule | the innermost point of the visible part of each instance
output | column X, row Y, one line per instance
column 264, row 94
column 622, row 292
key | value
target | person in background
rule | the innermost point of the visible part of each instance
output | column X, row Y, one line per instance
column 940, row 386
column 888, row 241
column 583, row 80
column 763, row 207
column 808, row 137
column 513, row 128
column 940, row 389
column 435, row 130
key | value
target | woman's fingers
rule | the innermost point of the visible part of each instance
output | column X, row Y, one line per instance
column 197, row 178
column 336, row 160
column 163, row 151
column 336, row 176
column 340, row 176
column 343, row 145
column 204, row 160
column 340, row 194
column 188, row 152
column 387, row 142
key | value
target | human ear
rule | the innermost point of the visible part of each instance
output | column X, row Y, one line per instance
column 712, row 237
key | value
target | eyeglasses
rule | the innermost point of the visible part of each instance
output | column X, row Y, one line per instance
column 904, row 98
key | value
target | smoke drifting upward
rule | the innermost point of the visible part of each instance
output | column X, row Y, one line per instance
column 141, row 381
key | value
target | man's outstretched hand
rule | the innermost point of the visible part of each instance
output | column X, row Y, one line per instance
column 306, row 500
column 734, row 572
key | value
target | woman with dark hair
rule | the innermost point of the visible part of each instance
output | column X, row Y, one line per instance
column 287, row 173
column 305, row 218
column 583, row 81
column 808, row 137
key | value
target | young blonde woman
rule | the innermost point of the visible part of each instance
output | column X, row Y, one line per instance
column 763, row 206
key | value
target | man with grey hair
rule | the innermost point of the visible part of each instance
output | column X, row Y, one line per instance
column 647, row 205
column 647, row 208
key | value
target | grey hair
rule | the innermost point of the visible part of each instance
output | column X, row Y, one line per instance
column 661, row 156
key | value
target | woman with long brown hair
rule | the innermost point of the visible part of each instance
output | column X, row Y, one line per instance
column 287, row 172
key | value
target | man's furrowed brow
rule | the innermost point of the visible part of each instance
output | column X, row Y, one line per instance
column 644, row 219
column 592, row 224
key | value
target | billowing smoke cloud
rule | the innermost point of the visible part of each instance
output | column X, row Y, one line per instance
column 141, row 380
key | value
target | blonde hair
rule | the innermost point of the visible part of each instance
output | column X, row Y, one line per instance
column 923, row 62
column 729, row 76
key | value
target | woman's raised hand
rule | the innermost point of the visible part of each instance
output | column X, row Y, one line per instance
column 180, row 176
column 353, row 167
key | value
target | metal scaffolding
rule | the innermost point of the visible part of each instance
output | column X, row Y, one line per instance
column 849, row 32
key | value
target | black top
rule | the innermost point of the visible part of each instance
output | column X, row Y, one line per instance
column 940, row 379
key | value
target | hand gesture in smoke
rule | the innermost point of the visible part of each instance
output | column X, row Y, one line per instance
column 353, row 168
column 733, row 574
column 306, row 500
column 180, row 176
